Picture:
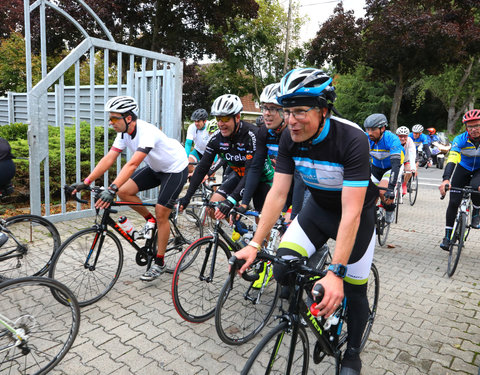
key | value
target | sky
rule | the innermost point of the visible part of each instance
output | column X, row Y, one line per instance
column 320, row 10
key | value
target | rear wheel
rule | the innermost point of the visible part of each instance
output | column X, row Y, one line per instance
column 89, row 282
column 198, row 279
column 29, row 248
column 456, row 244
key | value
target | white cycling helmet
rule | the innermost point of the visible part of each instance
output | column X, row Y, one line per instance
column 417, row 128
column 226, row 105
column 403, row 130
column 269, row 94
column 121, row 104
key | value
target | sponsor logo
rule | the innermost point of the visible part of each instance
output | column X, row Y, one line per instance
column 249, row 157
column 230, row 157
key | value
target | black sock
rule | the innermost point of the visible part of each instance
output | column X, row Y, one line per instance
column 159, row 260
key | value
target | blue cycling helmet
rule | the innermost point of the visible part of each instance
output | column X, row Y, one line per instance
column 306, row 86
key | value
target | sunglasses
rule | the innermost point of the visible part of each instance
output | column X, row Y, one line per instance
column 115, row 118
column 223, row 118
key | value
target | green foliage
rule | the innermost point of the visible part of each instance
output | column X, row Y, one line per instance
column 14, row 131
column 358, row 97
column 20, row 149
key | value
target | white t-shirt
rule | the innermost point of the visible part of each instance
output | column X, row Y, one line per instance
column 166, row 154
column 410, row 152
column 199, row 137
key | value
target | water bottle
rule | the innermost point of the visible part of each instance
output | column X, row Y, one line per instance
column 149, row 227
column 127, row 227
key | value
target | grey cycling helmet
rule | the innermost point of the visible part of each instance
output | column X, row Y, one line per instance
column 403, row 130
column 121, row 104
column 269, row 94
column 227, row 105
column 417, row 128
column 376, row 120
column 199, row 115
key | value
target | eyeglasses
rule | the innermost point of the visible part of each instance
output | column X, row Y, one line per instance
column 223, row 118
column 115, row 118
column 299, row 114
column 473, row 127
column 272, row 110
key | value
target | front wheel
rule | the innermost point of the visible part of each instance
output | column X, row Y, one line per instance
column 382, row 226
column 41, row 330
column 373, row 290
column 412, row 188
column 29, row 248
column 93, row 280
column 198, row 279
column 440, row 162
column 456, row 243
column 271, row 356
column 244, row 307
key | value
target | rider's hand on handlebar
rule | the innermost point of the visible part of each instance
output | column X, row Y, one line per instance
column 106, row 197
column 444, row 187
column 78, row 186
column 389, row 194
column 223, row 209
column 234, row 215
column 248, row 253
column 183, row 203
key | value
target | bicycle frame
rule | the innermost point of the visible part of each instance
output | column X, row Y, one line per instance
column 8, row 324
column 8, row 255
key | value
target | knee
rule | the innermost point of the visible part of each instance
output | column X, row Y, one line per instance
column 161, row 214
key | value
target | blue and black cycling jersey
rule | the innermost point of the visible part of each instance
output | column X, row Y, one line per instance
column 386, row 149
column 327, row 165
column 464, row 152
column 421, row 140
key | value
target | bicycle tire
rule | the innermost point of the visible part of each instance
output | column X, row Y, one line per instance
column 373, row 291
column 242, row 310
column 413, row 189
column 39, row 240
column 68, row 265
column 186, row 231
column 50, row 327
column 398, row 192
column 273, row 351
column 194, row 298
column 383, row 228
column 456, row 244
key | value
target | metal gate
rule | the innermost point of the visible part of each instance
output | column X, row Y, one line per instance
column 157, row 90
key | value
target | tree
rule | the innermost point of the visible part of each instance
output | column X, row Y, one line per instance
column 403, row 38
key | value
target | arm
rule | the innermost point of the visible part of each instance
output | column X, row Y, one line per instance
column 130, row 167
column 272, row 208
column 188, row 146
column 103, row 165
column 255, row 170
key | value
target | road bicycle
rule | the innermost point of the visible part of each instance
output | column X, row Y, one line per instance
column 381, row 225
column 412, row 189
column 36, row 331
column 27, row 245
column 245, row 304
column 90, row 261
column 285, row 349
column 198, row 277
column 461, row 227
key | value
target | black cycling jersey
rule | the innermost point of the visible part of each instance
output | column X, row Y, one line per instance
column 267, row 146
column 237, row 150
column 5, row 150
column 327, row 165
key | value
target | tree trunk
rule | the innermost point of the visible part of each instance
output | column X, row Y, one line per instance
column 397, row 99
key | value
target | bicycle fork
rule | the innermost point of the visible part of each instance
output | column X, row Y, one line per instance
column 209, row 250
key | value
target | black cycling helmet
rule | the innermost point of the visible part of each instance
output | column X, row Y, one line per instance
column 199, row 115
column 376, row 120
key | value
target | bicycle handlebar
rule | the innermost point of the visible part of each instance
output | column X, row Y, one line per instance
column 466, row 189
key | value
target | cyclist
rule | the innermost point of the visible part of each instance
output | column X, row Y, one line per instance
column 409, row 165
column 166, row 166
column 421, row 139
column 465, row 155
column 387, row 156
column 268, row 138
column 197, row 135
column 235, row 142
column 432, row 135
column 332, row 155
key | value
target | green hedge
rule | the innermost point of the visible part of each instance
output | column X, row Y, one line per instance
column 16, row 134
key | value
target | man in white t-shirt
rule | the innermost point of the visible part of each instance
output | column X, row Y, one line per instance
column 167, row 167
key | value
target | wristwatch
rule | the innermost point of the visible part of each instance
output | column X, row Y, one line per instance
column 338, row 269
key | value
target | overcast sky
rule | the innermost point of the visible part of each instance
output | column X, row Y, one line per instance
column 319, row 10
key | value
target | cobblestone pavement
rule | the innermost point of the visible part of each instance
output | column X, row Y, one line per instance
column 426, row 323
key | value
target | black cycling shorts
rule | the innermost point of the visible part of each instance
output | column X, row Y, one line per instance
column 171, row 184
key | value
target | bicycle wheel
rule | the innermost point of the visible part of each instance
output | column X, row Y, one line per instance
column 195, row 289
column 91, row 283
column 46, row 327
column 412, row 189
column 37, row 241
column 272, row 353
column 244, row 307
column 186, row 230
column 398, row 195
column 373, row 290
column 456, row 244
column 382, row 226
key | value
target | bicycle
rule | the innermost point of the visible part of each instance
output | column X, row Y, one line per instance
column 285, row 349
column 196, row 284
column 461, row 227
column 90, row 261
column 29, row 243
column 381, row 225
column 246, row 303
column 36, row 331
column 412, row 188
